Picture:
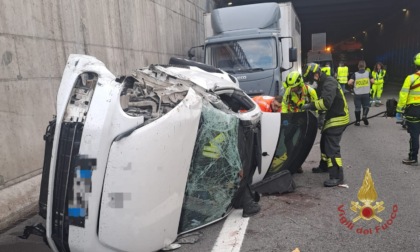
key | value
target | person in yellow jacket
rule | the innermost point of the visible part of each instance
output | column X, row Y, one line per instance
column 342, row 75
column 297, row 93
column 409, row 105
column 378, row 75
column 332, row 120
column 326, row 69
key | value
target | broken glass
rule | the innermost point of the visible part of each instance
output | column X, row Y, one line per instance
column 213, row 177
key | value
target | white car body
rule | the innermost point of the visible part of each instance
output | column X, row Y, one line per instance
column 120, row 161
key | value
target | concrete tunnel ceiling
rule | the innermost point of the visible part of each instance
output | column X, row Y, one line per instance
column 343, row 19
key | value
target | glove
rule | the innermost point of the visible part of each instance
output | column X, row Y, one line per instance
column 398, row 117
column 306, row 106
column 321, row 121
column 314, row 85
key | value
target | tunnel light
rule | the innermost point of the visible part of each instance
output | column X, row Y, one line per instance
column 354, row 38
column 379, row 23
column 364, row 32
column 361, row 49
column 404, row 10
column 230, row 3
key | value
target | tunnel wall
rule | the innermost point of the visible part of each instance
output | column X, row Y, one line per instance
column 394, row 43
column 36, row 38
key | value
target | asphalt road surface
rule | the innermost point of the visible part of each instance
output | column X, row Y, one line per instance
column 309, row 218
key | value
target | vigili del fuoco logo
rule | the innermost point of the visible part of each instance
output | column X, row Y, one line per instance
column 367, row 209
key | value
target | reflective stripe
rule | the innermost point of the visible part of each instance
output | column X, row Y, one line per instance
column 405, row 90
column 341, row 121
column 329, row 163
column 319, row 105
column 339, row 162
column 324, row 157
column 414, row 93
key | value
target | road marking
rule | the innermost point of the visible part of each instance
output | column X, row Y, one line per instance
column 232, row 234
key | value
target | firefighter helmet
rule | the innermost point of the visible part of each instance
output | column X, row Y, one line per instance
column 309, row 70
column 417, row 59
column 294, row 79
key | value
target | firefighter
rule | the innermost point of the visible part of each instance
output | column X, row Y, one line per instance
column 332, row 120
column 326, row 69
column 361, row 81
column 378, row 75
column 342, row 74
column 409, row 105
column 297, row 93
column 268, row 103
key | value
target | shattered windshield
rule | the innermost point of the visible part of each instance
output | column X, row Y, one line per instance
column 213, row 177
column 249, row 55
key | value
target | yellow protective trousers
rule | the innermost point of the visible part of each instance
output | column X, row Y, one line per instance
column 376, row 91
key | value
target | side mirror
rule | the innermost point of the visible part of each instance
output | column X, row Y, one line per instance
column 292, row 54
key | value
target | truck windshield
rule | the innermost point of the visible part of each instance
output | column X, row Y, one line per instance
column 243, row 55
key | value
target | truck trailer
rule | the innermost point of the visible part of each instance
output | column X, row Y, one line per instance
column 258, row 43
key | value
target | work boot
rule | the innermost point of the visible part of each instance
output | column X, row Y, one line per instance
column 364, row 118
column 250, row 207
column 336, row 177
column 357, row 114
column 321, row 168
column 409, row 161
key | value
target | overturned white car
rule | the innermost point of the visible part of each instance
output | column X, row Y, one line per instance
column 134, row 161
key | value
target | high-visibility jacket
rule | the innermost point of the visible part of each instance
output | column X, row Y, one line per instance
column 367, row 69
column 326, row 70
column 292, row 101
column 264, row 102
column 361, row 82
column 342, row 74
column 331, row 99
column 379, row 76
column 409, row 94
